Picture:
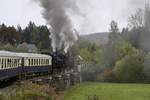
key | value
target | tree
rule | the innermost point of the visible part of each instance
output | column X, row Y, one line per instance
column 147, row 16
column 130, row 68
column 44, row 40
column 111, row 50
column 146, row 68
column 9, row 35
column 114, row 27
column 136, row 20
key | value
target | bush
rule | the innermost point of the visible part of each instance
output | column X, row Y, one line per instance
column 108, row 75
column 130, row 68
column 146, row 66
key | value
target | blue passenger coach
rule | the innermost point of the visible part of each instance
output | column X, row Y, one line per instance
column 12, row 64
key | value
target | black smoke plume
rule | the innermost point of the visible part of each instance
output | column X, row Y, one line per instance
column 56, row 13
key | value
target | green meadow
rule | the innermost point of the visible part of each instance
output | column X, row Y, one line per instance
column 108, row 91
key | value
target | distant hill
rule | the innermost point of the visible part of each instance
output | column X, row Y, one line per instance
column 98, row 38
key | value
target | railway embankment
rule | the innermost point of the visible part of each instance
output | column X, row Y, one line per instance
column 27, row 90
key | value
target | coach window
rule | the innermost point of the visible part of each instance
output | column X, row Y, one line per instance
column 17, row 63
column 29, row 62
column 13, row 62
column 43, row 62
column 38, row 61
column 9, row 64
column 47, row 61
column 34, row 62
column 0, row 64
column 5, row 65
column 8, row 61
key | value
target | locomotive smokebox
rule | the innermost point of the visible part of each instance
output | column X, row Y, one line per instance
column 59, row 60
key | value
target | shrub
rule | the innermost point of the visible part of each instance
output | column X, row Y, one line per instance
column 130, row 68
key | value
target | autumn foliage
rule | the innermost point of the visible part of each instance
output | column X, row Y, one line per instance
column 9, row 35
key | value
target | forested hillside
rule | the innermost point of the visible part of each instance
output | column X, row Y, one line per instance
column 98, row 38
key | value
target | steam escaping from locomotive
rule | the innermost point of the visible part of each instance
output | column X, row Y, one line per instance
column 56, row 13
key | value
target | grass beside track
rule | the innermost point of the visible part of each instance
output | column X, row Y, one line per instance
column 109, row 91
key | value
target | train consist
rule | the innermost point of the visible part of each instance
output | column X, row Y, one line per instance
column 20, row 64
column 14, row 64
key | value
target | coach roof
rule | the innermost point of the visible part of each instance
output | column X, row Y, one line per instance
column 14, row 54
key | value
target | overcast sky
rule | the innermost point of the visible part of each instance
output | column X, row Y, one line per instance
column 96, row 14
